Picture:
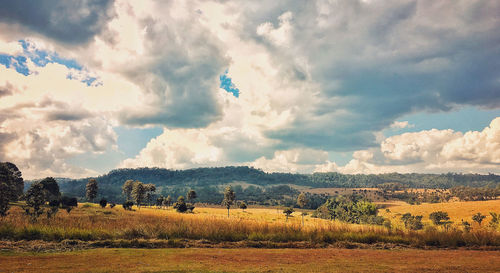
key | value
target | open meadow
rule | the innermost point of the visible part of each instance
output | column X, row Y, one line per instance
column 95, row 239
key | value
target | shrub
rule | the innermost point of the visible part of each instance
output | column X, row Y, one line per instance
column 127, row 205
column 103, row 203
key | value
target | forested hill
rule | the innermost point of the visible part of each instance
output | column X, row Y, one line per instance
column 110, row 184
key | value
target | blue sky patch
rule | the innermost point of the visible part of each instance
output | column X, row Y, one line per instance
column 227, row 84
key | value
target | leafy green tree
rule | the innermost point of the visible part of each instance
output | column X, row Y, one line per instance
column 11, row 186
column 51, row 189
column 412, row 222
column 150, row 190
column 191, row 195
column 288, row 212
column 229, row 197
column 439, row 217
column 127, row 188
column 478, row 218
column 91, row 190
column 138, row 193
column 302, row 202
column 35, row 199
column 180, row 205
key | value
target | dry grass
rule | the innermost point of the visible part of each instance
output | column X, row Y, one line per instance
column 254, row 260
column 456, row 210
column 92, row 223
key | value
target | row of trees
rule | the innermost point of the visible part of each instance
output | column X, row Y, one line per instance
column 208, row 177
column 441, row 218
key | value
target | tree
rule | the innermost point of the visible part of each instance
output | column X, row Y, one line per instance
column 138, row 193
column 167, row 201
column 180, row 205
column 127, row 188
column 288, row 212
column 35, row 199
column 466, row 226
column 51, row 189
column 439, row 218
column 495, row 220
column 53, row 207
column 150, row 190
column 478, row 218
column 103, row 203
column 127, row 205
column 11, row 186
column 159, row 202
column 243, row 206
column 191, row 195
column 229, row 197
column 412, row 222
column 68, row 203
column 91, row 190
column 302, row 202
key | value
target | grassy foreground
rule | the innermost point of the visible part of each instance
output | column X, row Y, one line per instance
column 253, row 260
column 113, row 226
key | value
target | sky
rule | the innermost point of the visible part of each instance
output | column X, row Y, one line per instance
column 284, row 86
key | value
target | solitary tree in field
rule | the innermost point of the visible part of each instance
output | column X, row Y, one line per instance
column 51, row 189
column 229, row 197
column 180, row 205
column 139, row 193
column 302, row 202
column 167, row 201
column 150, row 190
column 11, row 186
column 91, row 190
column 191, row 195
column 243, row 206
column 478, row 218
column 35, row 199
column 127, row 188
column 103, row 203
column 439, row 217
column 288, row 212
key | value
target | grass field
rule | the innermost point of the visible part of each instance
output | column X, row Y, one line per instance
column 253, row 260
column 456, row 210
column 89, row 223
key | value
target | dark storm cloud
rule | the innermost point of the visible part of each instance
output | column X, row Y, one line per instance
column 71, row 22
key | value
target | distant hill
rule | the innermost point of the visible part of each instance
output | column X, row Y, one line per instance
column 110, row 184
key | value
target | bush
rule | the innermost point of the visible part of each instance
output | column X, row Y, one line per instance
column 127, row 205
column 103, row 203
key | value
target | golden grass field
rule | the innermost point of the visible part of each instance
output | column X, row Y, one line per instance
column 212, row 229
column 253, row 260
column 457, row 211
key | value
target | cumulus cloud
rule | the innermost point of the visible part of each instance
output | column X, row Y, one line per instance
column 313, row 77
column 72, row 22
column 433, row 151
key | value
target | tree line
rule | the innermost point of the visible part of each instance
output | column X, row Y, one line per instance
column 110, row 184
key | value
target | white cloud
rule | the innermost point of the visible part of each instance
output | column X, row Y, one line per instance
column 435, row 151
column 401, row 125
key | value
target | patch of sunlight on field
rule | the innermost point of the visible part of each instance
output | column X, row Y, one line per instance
column 456, row 210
